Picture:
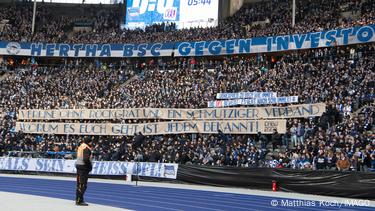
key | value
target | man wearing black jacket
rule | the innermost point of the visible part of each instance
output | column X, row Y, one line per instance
column 84, row 167
column 320, row 160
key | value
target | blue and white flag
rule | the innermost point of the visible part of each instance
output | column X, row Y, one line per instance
column 321, row 39
column 253, row 101
column 246, row 95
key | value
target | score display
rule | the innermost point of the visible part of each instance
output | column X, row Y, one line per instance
column 196, row 2
column 185, row 13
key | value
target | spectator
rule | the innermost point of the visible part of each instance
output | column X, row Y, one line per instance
column 301, row 133
column 293, row 131
column 342, row 163
column 275, row 139
column 320, row 161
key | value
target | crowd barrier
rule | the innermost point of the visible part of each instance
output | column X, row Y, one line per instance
column 112, row 168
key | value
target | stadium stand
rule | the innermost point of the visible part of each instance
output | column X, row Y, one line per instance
column 341, row 77
column 252, row 20
column 179, row 84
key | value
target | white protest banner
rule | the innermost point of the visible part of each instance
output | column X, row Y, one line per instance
column 154, row 128
column 292, row 111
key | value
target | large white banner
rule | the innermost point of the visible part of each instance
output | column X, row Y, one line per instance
column 272, row 112
column 161, row 170
column 154, row 128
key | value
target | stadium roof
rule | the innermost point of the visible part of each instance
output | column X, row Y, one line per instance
column 82, row 1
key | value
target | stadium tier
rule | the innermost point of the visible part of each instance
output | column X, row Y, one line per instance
column 100, row 25
column 337, row 71
column 321, row 75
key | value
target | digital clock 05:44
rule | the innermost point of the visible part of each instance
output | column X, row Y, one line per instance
column 198, row 2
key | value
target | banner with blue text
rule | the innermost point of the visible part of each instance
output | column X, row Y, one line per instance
column 245, row 95
column 252, row 101
column 161, row 170
column 335, row 37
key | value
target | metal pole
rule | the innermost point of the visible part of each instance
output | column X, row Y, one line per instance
column 33, row 23
column 294, row 13
column 137, row 167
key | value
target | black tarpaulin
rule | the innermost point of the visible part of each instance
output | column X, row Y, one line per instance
column 333, row 183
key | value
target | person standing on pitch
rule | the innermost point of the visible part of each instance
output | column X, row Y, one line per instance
column 84, row 167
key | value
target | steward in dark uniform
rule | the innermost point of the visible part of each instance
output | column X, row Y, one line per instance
column 84, row 167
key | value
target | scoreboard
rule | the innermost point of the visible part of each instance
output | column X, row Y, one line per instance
column 185, row 13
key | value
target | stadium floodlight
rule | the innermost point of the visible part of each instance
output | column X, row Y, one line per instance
column 33, row 23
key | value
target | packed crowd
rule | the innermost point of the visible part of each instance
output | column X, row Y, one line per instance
column 264, row 18
column 342, row 77
column 49, row 26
